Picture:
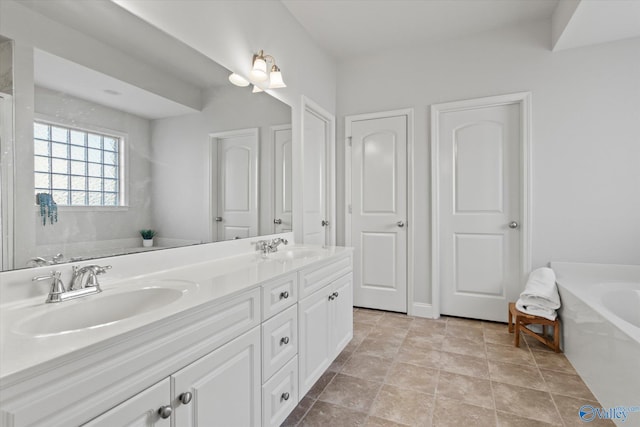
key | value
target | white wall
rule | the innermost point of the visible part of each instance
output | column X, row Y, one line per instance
column 96, row 224
column 230, row 32
column 181, row 159
column 586, row 132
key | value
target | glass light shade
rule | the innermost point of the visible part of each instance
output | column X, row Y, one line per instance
column 259, row 70
column 276, row 80
column 256, row 89
column 238, row 80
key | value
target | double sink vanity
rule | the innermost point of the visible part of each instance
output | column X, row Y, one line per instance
column 209, row 335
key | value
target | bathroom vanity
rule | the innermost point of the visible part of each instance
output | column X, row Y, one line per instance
column 224, row 340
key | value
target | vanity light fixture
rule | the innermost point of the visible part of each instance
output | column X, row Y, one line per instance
column 259, row 74
column 238, row 80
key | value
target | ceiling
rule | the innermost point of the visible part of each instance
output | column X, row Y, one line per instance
column 348, row 28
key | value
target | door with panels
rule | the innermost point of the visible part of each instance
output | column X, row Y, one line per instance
column 236, row 182
column 282, row 150
column 378, row 210
column 478, row 205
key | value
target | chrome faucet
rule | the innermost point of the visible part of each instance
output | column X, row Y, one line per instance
column 41, row 261
column 84, row 282
column 269, row 246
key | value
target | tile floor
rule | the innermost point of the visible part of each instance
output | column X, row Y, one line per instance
column 407, row 371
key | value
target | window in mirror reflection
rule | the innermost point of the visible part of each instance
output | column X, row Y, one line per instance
column 77, row 167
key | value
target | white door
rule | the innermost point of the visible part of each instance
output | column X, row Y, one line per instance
column 237, row 186
column 315, row 179
column 282, row 142
column 379, row 212
column 479, row 210
column 225, row 384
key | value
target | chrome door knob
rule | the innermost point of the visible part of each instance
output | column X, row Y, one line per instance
column 285, row 396
column 284, row 340
column 165, row 411
column 284, row 295
column 400, row 224
column 513, row 225
column 219, row 219
column 277, row 221
column 185, row 397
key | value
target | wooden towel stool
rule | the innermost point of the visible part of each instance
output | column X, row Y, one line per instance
column 520, row 320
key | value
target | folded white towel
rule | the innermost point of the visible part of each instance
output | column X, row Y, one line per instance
column 535, row 310
column 541, row 289
column 540, row 296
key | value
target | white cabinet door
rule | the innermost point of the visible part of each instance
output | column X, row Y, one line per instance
column 314, row 352
column 226, row 386
column 142, row 410
column 341, row 313
column 282, row 143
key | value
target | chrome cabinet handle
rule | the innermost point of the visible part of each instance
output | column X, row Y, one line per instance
column 284, row 340
column 277, row 221
column 335, row 294
column 513, row 225
column 219, row 219
column 165, row 411
column 331, row 297
column 284, row 295
column 325, row 223
column 285, row 396
column 400, row 224
column 185, row 397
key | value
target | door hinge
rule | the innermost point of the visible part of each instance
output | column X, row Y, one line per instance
column 349, row 141
column 349, row 209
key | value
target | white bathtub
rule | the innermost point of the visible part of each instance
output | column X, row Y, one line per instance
column 600, row 317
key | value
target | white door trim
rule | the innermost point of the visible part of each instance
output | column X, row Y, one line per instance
column 523, row 99
column 271, row 161
column 213, row 174
column 6, row 181
column 408, row 112
column 330, row 125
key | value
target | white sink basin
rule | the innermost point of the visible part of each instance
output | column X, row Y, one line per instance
column 102, row 309
column 297, row 253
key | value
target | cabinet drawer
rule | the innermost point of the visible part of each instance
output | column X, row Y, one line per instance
column 279, row 341
column 314, row 278
column 280, row 395
column 279, row 294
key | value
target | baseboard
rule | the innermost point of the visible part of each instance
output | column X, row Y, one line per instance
column 420, row 309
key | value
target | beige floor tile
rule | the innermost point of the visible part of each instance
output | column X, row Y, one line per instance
column 419, row 357
column 351, row 392
column 536, row 345
column 378, row 347
column 471, row 390
column 381, row 422
column 567, row 385
column 452, row 413
column 396, row 320
column 413, row 377
column 553, row 362
column 402, row 405
column 462, row 321
column 323, row 414
column 428, row 325
column 494, row 326
column 569, row 408
column 464, row 365
column 425, row 342
column 371, row 368
column 388, row 333
column 464, row 346
column 511, row 420
column 367, row 316
column 521, row 375
column 525, row 402
column 299, row 412
column 339, row 362
column 471, row 334
column 509, row 354
column 321, row 384
column 502, row 337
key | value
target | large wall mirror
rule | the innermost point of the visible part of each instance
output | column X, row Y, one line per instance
column 110, row 126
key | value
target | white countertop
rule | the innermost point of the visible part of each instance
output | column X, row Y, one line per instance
column 214, row 281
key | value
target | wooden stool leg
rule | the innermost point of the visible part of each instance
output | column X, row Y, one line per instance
column 517, row 337
column 556, row 337
column 544, row 330
column 510, row 322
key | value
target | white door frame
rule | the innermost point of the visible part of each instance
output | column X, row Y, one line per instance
column 408, row 112
column 6, row 181
column 213, row 174
column 523, row 99
column 309, row 106
column 272, row 161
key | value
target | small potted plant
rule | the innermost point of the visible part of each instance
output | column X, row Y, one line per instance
column 147, row 237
